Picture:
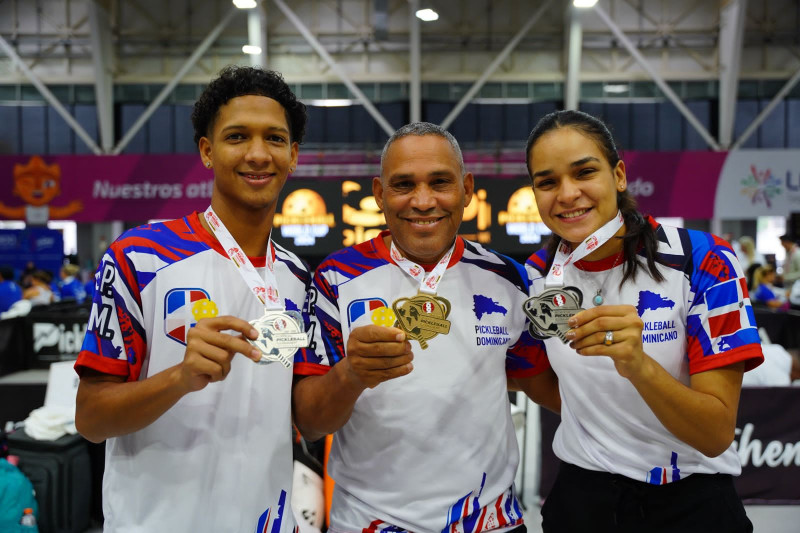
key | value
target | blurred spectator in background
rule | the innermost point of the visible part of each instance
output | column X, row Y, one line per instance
column 39, row 293
column 764, row 292
column 776, row 371
column 791, row 264
column 10, row 291
column 71, row 287
column 88, row 288
column 26, row 278
column 747, row 253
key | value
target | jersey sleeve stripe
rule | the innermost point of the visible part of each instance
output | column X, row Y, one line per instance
column 750, row 354
column 310, row 369
column 106, row 365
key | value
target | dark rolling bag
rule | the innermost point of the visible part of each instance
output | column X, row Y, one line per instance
column 61, row 474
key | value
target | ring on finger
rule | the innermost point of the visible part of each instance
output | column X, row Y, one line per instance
column 609, row 339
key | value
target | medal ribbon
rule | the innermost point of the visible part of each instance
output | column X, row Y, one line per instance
column 266, row 290
column 428, row 282
column 555, row 277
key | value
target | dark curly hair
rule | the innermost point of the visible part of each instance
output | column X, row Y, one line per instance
column 235, row 81
column 639, row 234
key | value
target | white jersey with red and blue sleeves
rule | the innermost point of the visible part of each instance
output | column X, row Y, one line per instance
column 221, row 458
column 434, row 450
column 699, row 318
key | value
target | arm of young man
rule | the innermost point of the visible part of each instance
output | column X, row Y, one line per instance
column 322, row 404
column 104, row 401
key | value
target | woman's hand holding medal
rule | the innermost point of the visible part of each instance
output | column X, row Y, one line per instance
column 611, row 330
column 376, row 354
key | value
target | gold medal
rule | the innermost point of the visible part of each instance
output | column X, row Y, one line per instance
column 422, row 317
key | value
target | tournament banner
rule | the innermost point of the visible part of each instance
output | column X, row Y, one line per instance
column 758, row 183
column 674, row 184
column 767, row 440
column 136, row 188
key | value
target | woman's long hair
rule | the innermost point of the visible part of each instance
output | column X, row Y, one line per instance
column 638, row 232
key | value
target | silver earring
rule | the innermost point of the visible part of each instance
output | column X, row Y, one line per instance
column 208, row 164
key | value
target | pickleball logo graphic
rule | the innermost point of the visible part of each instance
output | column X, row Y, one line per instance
column 183, row 308
column 761, row 187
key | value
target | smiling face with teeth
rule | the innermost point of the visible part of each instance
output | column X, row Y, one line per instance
column 575, row 186
column 423, row 195
column 250, row 150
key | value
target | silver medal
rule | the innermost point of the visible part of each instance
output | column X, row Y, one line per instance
column 280, row 334
column 549, row 312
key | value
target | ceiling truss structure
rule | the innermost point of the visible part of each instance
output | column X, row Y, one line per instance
column 109, row 42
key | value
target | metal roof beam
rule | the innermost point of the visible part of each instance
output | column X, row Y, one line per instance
column 448, row 120
column 51, row 99
column 100, row 24
column 732, row 16
column 767, row 110
column 415, row 87
column 371, row 109
column 572, row 88
column 620, row 35
column 145, row 116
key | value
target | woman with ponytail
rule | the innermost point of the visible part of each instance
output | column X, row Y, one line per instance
column 649, row 329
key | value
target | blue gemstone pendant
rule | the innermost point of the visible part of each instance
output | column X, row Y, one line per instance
column 598, row 299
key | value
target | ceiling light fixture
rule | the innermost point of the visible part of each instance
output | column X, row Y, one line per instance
column 245, row 4
column 427, row 15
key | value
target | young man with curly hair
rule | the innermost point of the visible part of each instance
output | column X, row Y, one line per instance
column 197, row 435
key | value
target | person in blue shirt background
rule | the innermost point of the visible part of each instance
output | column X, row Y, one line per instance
column 10, row 291
column 71, row 287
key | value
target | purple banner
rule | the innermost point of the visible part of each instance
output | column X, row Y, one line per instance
column 142, row 187
column 674, row 184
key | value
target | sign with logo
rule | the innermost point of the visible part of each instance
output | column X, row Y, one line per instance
column 183, row 307
column 767, row 440
column 307, row 219
column 362, row 219
column 759, row 183
column 54, row 337
column 304, row 217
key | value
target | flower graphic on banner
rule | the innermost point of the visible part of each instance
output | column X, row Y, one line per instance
column 761, row 186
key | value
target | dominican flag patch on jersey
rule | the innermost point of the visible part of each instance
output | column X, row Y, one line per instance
column 358, row 308
column 178, row 316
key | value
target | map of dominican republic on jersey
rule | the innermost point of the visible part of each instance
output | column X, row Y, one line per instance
column 699, row 318
column 225, row 450
column 434, row 450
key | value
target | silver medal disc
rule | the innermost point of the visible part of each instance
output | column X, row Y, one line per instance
column 550, row 310
column 280, row 334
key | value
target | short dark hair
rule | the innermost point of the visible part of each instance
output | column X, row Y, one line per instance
column 421, row 129
column 234, row 81
column 43, row 275
column 6, row 272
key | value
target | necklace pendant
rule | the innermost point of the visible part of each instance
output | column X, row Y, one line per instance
column 598, row 299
